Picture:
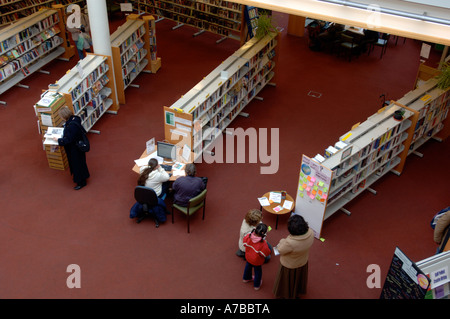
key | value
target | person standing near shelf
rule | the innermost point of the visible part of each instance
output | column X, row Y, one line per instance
column 73, row 132
column 292, row 277
column 154, row 177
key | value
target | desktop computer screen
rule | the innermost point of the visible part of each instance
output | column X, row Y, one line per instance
column 166, row 150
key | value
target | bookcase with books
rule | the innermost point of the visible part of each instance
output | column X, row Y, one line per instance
column 357, row 160
column 221, row 17
column 133, row 47
column 13, row 10
column 204, row 112
column 47, row 109
column 432, row 105
column 251, row 18
column 28, row 45
column 89, row 90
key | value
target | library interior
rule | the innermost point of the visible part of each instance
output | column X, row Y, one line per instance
column 338, row 114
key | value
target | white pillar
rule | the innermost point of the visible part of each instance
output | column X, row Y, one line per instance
column 98, row 21
column 99, row 24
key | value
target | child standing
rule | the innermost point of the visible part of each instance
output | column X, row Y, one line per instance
column 256, row 250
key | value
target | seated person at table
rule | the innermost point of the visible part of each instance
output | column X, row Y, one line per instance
column 155, row 177
column 187, row 187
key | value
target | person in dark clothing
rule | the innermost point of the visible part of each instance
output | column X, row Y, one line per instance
column 77, row 159
column 187, row 187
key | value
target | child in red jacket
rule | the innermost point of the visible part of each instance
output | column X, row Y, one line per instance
column 256, row 250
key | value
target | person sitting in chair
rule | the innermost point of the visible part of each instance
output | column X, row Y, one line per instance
column 187, row 187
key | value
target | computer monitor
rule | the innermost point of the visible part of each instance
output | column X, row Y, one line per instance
column 166, row 150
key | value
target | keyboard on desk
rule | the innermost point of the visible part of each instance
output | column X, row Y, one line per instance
column 166, row 167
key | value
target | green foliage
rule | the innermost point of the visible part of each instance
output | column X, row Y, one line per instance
column 265, row 26
column 444, row 77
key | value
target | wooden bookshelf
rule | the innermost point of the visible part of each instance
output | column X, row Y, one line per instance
column 47, row 109
column 360, row 158
column 89, row 90
column 133, row 47
column 432, row 105
column 225, row 18
column 13, row 10
column 28, row 45
column 379, row 145
column 205, row 111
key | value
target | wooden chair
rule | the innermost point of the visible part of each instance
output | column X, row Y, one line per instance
column 194, row 205
column 349, row 45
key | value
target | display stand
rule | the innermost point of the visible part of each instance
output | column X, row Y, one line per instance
column 133, row 46
column 28, row 45
column 437, row 268
column 88, row 89
column 225, row 18
column 205, row 111
column 47, row 109
column 251, row 19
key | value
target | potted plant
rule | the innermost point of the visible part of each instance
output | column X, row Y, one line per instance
column 265, row 26
column 444, row 77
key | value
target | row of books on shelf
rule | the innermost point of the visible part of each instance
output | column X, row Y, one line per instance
column 203, row 138
column 133, row 40
column 223, row 4
column 129, row 54
column 219, row 11
column 42, row 26
column 89, row 81
column 27, row 58
column 89, row 94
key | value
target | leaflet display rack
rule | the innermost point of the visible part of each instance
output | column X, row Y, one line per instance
column 205, row 111
column 28, row 45
column 134, row 51
column 89, row 90
column 225, row 18
column 47, row 112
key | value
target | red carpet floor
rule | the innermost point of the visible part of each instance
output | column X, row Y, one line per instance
column 45, row 225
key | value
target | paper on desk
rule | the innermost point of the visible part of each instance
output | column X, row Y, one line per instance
column 287, row 204
column 177, row 166
column 275, row 197
column 179, row 172
column 144, row 161
column 278, row 208
column 264, row 201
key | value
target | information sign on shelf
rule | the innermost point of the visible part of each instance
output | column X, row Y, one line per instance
column 404, row 279
column 312, row 193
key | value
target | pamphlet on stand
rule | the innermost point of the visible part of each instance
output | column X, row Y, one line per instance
column 51, row 133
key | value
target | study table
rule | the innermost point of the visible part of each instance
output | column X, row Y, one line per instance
column 180, row 159
column 272, row 208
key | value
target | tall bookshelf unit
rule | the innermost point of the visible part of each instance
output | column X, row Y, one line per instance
column 89, row 89
column 28, row 45
column 207, row 110
column 221, row 17
column 379, row 145
column 134, row 51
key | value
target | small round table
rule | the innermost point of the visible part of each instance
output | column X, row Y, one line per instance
column 270, row 208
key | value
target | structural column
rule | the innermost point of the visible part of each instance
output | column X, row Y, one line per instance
column 99, row 24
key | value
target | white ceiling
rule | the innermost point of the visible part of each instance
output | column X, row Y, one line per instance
column 370, row 14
